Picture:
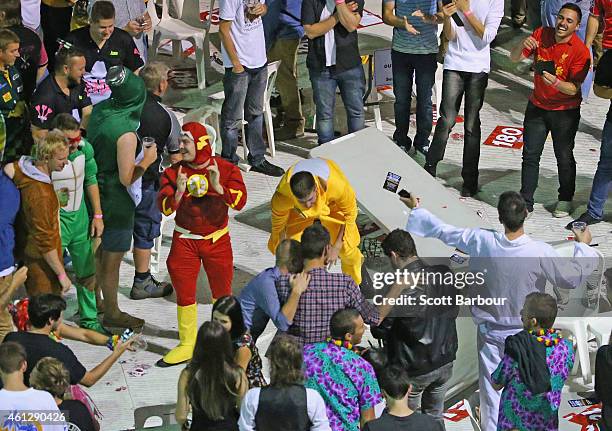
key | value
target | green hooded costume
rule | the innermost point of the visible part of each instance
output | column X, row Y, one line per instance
column 110, row 119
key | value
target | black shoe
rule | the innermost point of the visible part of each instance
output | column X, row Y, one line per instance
column 163, row 364
column 422, row 149
column 431, row 169
column 466, row 192
column 268, row 168
column 585, row 218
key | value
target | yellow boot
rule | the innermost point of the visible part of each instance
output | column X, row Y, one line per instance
column 188, row 330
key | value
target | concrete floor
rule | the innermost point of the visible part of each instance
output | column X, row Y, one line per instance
column 119, row 393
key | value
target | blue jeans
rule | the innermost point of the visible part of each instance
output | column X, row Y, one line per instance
column 244, row 92
column 603, row 177
column 352, row 87
column 428, row 391
column 455, row 85
column 405, row 67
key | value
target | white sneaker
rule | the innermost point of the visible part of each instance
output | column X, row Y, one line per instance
column 562, row 209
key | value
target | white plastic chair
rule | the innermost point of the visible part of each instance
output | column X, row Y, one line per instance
column 154, row 18
column 188, row 27
column 579, row 326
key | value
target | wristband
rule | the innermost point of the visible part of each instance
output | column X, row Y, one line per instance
column 556, row 83
column 98, row 216
column 61, row 277
column 468, row 12
column 339, row 2
column 112, row 342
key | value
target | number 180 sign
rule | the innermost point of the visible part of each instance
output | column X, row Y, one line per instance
column 506, row 137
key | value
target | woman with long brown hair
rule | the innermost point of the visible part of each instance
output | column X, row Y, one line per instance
column 286, row 404
column 212, row 384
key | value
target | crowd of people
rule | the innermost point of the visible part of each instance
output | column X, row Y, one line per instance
column 92, row 160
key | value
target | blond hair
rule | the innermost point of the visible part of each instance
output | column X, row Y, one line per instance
column 153, row 74
column 50, row 144
column 6, row 38
column 50, row 375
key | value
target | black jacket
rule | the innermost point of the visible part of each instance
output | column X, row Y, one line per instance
column 422, row 338
column 603, row 377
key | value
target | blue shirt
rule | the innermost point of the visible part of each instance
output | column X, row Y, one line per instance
column 424, row 43
column 261, row 294
column 282, row 21
column 8, row 212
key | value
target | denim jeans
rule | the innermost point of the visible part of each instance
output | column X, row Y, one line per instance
column 244, row 92
column 428, row 391
column 352, row 87
column 563, row 126
column 454, row 85
column 405, row 67
column 603, row 176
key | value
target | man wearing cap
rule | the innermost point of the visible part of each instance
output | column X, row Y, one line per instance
column 200, row 189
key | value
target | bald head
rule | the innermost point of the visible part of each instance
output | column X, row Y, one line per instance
column 289, row 256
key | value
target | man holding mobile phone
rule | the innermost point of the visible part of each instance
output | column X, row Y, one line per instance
column 562, row 63
column 466, row 72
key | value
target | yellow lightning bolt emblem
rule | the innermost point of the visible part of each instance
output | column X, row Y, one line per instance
column 202, row 142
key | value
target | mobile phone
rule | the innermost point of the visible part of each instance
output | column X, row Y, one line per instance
column 545, row 66
column 404, row 194
column 127, row 334
column 392, row 182
column 455, row 17
column 457, row 259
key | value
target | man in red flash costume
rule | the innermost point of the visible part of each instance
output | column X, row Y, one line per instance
column 200, row 189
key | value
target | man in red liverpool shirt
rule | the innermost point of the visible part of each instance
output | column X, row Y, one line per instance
column 200, row 189
column 601, row 10
column 562, row 62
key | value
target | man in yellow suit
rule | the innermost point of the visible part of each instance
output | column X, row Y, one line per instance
column 316, row 189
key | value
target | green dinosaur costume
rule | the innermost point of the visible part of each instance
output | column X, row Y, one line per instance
column 110, row 120
column 70, row 185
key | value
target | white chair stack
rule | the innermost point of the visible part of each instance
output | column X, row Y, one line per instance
column 188, row 27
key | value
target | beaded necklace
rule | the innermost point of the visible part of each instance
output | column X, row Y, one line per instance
column 548, row 337
column 340, row 343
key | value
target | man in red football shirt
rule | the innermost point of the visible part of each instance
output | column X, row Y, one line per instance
column 601, row 11
column 562, row 62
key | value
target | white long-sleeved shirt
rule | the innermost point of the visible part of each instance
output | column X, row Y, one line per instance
column 468, row 52
column 512, row 268
column 314, row 404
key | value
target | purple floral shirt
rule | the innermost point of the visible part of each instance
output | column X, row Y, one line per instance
column 344, row 379
column 521, row 410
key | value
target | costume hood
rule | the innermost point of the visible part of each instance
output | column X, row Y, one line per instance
column 26, row 164
column 119, row 114
column 203, row 137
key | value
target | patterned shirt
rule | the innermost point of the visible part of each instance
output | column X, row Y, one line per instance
column 254, row 371
column 326, row 294
column 344, row 379
column 519, row 408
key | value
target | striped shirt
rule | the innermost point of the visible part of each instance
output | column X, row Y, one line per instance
column 424, row 43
